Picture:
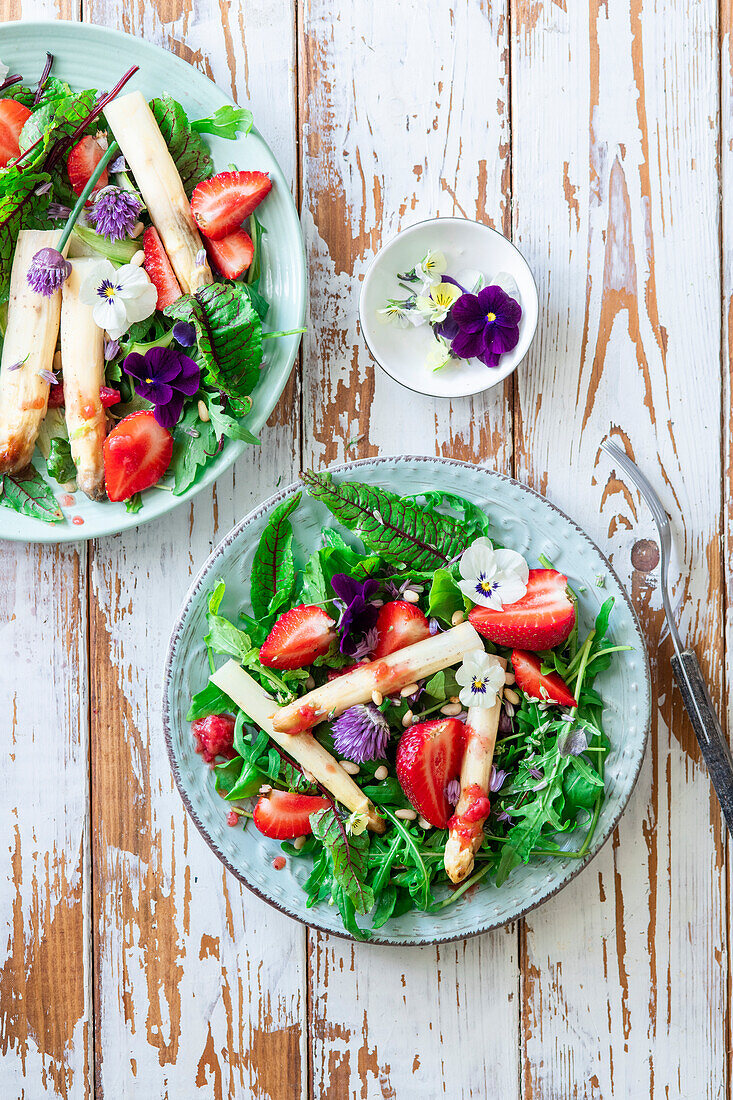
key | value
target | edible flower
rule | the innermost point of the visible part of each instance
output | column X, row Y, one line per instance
column 496, row 782
column 481, row 679
column 396, row 311
column 48, row 271
column 488, row 325
column 184, row 334
column 361, row 733
column 453, row 791
column 120, row 296
column 358, row 615
column 164, row 376
column 491, row 577
column 436, row 304
column 431, row 268
column 115, row 212
column 439, row 355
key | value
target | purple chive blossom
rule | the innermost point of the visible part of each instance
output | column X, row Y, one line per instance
column 498, row 775
column 358, row 614
column 505, row 722
column 367, row 645
column 361, row 733
column 48, row 271
column 535, row 773
column 504, row 816
column 48, row 376
column 115, row 213
column 111, row 349
column 184, row 334
column 58, row 212
column 43, row 188
column 453, row 791
column 119, row 164
column 164, row 376
column 433, row 625
column 488, row 325
column 201, row 257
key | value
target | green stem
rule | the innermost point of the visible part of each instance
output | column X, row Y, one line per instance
column 88, row 188
column 290, row 332
column 476, row 877
column 413, row 847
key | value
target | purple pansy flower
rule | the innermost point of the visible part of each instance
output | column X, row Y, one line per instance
column 164, row 376
column 488, row 325
column 361, row 733
column 115, row 213
column 48, row 271
column 184, row 334
column 358, row 615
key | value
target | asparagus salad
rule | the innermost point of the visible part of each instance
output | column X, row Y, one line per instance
column 131, row 317
column 413, row 710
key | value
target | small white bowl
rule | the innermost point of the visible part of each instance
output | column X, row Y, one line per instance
column 402, row 352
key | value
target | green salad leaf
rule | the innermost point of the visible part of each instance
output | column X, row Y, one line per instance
column 227, row 122
column 20, row 208
column 194, row 443
column 348, row 857
column 56, row 118
column 273, row 568
column 59, row 463
column 30, row 495
column 190, row 154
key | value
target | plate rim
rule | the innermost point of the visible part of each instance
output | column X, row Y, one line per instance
column 176, row 634
column 57, row 534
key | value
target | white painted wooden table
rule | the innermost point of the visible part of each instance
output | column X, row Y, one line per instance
column 599, row 137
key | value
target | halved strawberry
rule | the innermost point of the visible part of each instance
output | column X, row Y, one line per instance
column 81, row 162
column 232, row 255
column 429, row 755
column 284, row 815
column 159, row 269
column 399, row 624
column 543, row 617
column 298, row 637
column 137, row 452
column 221, row 204
column 13, row 117
column 545, row 686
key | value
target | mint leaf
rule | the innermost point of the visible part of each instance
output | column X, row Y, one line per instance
column 273, row 567
column 60, row 464
column 20, row 207
column 229, row 339
column 349, row 858
column 30, row 495
column 189, row 151
column 399, row 530
column 227, row 122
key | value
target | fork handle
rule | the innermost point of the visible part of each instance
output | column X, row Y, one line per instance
column 711, row 739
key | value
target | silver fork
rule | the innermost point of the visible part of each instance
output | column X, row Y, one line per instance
column 685, row 665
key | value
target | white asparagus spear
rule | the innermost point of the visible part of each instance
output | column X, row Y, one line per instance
column 387, row 675
column 82, row 360
column 138, row 136
column 309, row 753
column 467, row 824
column 30, row 340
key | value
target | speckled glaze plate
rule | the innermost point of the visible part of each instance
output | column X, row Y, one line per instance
column 521, row 520
column 94, row 57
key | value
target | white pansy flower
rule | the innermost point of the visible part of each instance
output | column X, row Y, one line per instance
column 394, row 314
column 507, row 283
column 120, row 296
column 439, row 355
column 431, row 268
column 492, row 578
column 356, row 823
column 481, row 678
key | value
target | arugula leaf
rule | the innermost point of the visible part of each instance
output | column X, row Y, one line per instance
column 273, row 567
column 59, row 463
column 134, row 503
column 223, row 636
column 210, row 700
column 30, row 495
column 229, row 338
column 348, row 857
column 227, row 122
column 190, row 154
column 20, row 208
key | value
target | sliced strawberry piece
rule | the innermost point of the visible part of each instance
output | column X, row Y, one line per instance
column 109, row 396
column 232, row 255
column 56, row 398
column 542, row 619
column 214, row 736
column 137, row 452
column 399, row 624
column 429, row 755
column 285, row 815
column 160, row 270
column 298, row 637
column 13, row 117
column 81, row 162
column 221, row 204
column 545, row 686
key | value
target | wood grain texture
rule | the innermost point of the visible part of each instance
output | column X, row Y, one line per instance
column 625, row 164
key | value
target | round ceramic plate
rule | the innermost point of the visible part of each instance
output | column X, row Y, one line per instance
column 521, row 520
column 94, row 57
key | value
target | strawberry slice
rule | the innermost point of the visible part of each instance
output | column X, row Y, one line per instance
column 221, row 204
column 285, row 815
column 545, row 686
column 13, row 117
column 137, row 452
column 429, row 755
column 160, row 270
column 232, row 255
column 543, row 618
column 298, row 637
column 399, row 624
column 81, row 162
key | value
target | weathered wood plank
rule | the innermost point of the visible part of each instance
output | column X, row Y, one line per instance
column 404, row 116
column 200, row 986
column 614, row 181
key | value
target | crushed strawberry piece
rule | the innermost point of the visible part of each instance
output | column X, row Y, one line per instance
column 214, row 736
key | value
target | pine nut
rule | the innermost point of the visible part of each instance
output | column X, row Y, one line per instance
column 265, row 788
column 511, row 695
column 377, row 698
column 407, row 720
column 405, row 815
column 423, row 823
column 310, row 683
column 450, row 709
column 454, row 699
column 299, row 843
column 408, row 689
column 377, row 603
column 509, row 678
column 138, row 259
column 350, row 767
column 411, row 596
column 457, row 617
column 381, row 773
column 57, row 364
column 137, row 229
column 203, row 412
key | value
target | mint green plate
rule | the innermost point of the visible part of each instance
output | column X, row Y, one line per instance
column 95, row 57
column 521, row 520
